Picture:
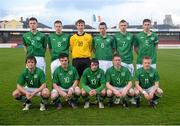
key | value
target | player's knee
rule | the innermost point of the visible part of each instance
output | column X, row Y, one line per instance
column 159, row 92
column 77, row 91
column 136, row 92
column 83, row 92
column 131, row 92
column 70, row 92
column 16, row 94
column 45, row 93
column 103, row 93
column 54, row 96
column 109, row 93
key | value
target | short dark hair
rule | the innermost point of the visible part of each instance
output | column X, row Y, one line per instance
column 80, row 21
column 122, row 21
column 116, row 55
column 94, row 60
column 146, row 20
column 33, row 19
column 57, row 22
column 63, row 55
column 146, row 57
column 30, row 58
column 103, row 23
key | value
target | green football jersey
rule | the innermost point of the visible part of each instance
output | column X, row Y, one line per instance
column 65, row 78
column 103, row 47
column 124, row 46
column 146, row 46
column 58, row 44
column 118, row 78
column 32, row 80
column 93, row 80
column 36, row 43
column 146, row 78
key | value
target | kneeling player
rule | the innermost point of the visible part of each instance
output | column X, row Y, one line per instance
column 147, row 83
column 93, row 83
column 65, row 83
column 118, row 81
column 31, row 83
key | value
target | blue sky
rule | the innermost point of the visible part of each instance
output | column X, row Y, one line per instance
column 111, row 11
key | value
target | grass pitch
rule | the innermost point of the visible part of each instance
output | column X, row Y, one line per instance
column 167, row 112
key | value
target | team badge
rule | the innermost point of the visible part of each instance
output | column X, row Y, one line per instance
column 70, row 72
column 64, row 39
column 99, row 75
column 123, row 74
column 151, row 75
column 35, row 76
column 38, row 38
column 60, row 74
column 128, row 38
column 152, row 38
column 108, row 40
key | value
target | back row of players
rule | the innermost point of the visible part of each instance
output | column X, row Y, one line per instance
column 113, row 55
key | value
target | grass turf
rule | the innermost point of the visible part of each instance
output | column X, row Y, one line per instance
column 167, row 112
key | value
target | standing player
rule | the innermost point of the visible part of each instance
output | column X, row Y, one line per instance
column 35, row 43
column 31, row 83
column 65, row 83
column 146, row 44
column 93, row 83
column 147, row 83
column 58, row 42
column 104, row 47
column 81, row 46
column 124, row 46
column 118, row 81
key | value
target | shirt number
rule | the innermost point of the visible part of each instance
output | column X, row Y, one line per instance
column 66, row 79
column 102, row 45
column 59, row 44
column 93, row 82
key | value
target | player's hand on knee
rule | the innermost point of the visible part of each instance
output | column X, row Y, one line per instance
column 65, row 95
column 28, row 96
column 124, row 92
column 117, row 93
column 146, row 95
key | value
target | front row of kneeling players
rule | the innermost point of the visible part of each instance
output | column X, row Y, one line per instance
column 94, row 82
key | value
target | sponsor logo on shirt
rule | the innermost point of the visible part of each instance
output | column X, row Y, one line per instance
column 27, row 77
column 142, row 37
column 28, row 37
column 88, row 76
column 142, row 75
column 53, row 39
column 112, row 74
column 60, row 74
